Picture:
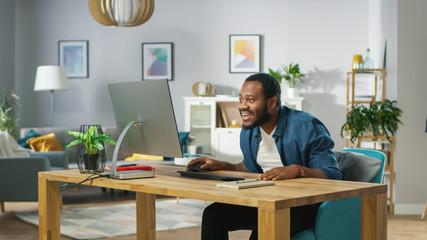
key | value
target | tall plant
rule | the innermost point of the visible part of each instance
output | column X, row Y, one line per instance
column 380, row 118
column 8, row 112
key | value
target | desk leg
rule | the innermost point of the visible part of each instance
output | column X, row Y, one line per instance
column 274, row 224
column 145, row 216
column 49, row 210
column 373, row 217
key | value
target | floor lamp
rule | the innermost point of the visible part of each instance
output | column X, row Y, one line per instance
column 51, row 78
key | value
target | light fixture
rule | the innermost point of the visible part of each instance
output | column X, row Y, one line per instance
column 123, row 13
column 50, row 78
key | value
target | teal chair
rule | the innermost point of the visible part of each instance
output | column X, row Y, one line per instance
column 340, row 219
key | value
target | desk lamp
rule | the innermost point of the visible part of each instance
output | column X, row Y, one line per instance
column 50, row 78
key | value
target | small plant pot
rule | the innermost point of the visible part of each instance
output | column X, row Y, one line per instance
column 292, row 92
column 90, row 163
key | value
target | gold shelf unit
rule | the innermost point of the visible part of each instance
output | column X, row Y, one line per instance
column 379, row 143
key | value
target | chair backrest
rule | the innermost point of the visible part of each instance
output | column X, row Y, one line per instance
column 372, row 153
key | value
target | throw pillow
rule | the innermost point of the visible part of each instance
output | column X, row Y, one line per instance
column 357, row 166
column 23, row 141
column 45, row 143
column 183, row 137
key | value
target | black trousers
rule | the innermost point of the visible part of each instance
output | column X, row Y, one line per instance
column 219, row 219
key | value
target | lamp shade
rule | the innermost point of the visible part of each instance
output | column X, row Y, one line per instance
column 123, row 13
column 51, row 78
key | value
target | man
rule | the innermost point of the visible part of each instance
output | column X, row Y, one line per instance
column 280, row 143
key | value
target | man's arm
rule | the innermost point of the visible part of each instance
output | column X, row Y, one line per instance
column 213, row 164
column 291, row 171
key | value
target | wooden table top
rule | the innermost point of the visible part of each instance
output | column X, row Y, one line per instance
column 284, row 194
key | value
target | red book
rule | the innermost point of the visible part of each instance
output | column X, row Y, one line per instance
column 134, row 167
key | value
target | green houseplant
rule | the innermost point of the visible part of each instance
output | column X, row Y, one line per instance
column 379, row 118
column 90, row 155
column 291, row 74
column 8, row 115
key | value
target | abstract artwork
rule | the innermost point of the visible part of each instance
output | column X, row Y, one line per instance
column 245, row 53
column 157, row 61
column 73, row 55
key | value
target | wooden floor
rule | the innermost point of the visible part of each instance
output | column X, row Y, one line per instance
column 11, row 228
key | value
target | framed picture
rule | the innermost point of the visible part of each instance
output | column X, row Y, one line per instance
column 245, row 53
column 157, row 61
column 74, row 56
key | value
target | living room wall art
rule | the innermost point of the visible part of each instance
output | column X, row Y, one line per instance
column 245, row 53
column 74, row 56
column 157, row 61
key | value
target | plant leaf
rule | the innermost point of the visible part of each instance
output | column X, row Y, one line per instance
column 110, row 141
column 75, row 134
column 73, row 142
column 98, row 145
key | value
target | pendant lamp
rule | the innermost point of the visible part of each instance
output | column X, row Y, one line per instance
column 123, row 13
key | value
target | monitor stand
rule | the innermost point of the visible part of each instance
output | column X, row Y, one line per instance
column 127, row 174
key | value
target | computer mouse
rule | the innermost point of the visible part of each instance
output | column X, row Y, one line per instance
column 196, row 167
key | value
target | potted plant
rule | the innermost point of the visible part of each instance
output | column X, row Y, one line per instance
column 380, row 118
column 291, row 74
column 91, row 155
column 8, row 119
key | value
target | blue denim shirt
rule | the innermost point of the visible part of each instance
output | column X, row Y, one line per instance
column 300, row 139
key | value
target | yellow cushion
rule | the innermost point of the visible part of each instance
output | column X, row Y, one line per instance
column 136, row 156
column 45, row 143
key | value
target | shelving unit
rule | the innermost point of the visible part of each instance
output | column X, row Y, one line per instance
column 202, row 118
column 365, row 86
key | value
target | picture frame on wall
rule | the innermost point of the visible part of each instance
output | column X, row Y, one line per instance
column 245, row 53
column 74, row 56
column 157, row 60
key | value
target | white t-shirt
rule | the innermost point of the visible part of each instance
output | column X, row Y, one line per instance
column 268, row 156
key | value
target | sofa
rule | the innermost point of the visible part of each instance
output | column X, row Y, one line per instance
column 19, row 175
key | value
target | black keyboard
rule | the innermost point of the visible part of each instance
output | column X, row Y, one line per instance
column 205, row 175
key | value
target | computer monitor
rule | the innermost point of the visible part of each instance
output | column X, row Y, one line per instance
column 145, row 119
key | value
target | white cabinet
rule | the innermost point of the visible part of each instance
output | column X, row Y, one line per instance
column 200, row 122
column 208, row 119
column 295, row 103
column 203, row 116
column 228, row 145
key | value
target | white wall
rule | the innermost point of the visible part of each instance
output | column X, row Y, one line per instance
column 411, row 143
column 7, row 55
column 320, row 35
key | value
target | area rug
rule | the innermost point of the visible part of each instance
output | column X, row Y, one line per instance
column 117, row 220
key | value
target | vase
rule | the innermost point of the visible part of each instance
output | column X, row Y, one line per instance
column 292, row 92
column 90, row 163
column 357, row 62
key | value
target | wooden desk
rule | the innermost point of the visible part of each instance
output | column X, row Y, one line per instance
column 273, row 202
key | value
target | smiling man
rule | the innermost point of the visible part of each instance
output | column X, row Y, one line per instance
column 278, row 142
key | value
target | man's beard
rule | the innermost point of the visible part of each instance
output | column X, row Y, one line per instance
column 263, row 118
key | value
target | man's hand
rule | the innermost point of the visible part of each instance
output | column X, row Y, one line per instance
column 213, row 165
column 210, row 163
column 279, row 173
